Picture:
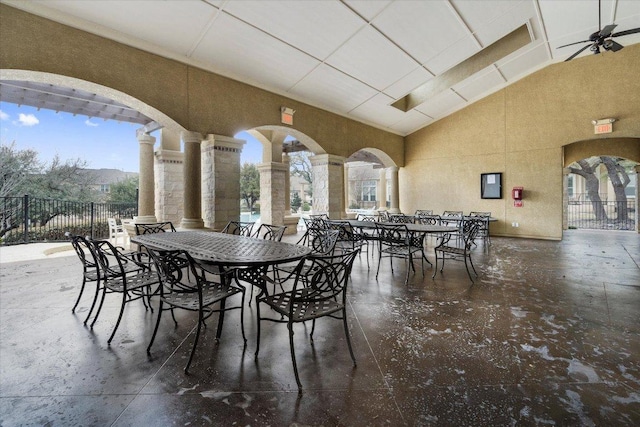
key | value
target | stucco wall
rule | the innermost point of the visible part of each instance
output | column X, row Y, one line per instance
column 521, row 131
column 198, row 100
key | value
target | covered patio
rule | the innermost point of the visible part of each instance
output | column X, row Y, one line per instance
column 548, row 334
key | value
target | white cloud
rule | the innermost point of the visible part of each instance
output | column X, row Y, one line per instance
column 88, row 122
column 27, row 120
column 3, row 115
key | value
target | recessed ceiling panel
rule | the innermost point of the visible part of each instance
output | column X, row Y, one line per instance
column 406, row 84
column 424, row 29
column 378, row 110
column 411, row 122
column 166, row 24
column 486, row 81
column 518, row 64
column 373, row 59
column 243, row 52
column 569, row 21
column 316, row 27
column 332, row 89
column 443, row 103
column 366, row 8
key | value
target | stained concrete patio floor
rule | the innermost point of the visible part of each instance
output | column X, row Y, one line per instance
column 548, row 335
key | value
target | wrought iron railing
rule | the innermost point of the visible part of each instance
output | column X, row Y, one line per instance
column 602, row 215
column 29, row 219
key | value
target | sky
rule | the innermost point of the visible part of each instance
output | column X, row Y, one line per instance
column 101, row 143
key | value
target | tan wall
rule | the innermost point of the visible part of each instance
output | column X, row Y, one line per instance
column 198, row 100
column 628, row 148
column 521, row 131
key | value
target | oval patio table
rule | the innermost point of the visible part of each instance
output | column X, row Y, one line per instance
column 251, row 256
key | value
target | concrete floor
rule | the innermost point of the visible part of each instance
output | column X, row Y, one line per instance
column 549, row 335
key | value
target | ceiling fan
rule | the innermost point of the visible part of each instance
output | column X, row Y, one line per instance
column 602, row 37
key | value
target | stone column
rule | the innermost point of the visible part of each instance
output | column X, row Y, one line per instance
column 345, row 190
column 328, row 186
column 169, row 191
column 565, row 198
column 637, row 168
column 272, row 201
column 192, row 203
column 221, row 180
column 146, row 194
column 395, row 193
column 382, row 190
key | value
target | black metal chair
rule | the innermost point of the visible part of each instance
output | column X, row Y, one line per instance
column 90, row 269
column 131, row 276
column 484, row 230
column 323, row 294
column 239, row 228
column 312, row 225
column 370, row 236
column 452, row 247
column 323, row 244
column 348, row 238
column 401, row 218
column 396, row 241
column 270, row 232
column 194, row 295
column 156, row 227
column 423, row 212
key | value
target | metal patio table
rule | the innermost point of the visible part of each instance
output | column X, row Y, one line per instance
column 251, row 256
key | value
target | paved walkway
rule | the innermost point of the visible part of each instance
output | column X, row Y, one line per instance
column 34, row 251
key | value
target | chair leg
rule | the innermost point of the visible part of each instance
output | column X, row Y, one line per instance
column 95, row 318
column 93, row 304
column 467, row 267
column 435, row 267
column 293, row 356
column 220, row 319
column 242, row 318
column 115, row 328
column 347, row 335
column 84, row 281
column 195, row 342
column 258, row 328
column 155, row 330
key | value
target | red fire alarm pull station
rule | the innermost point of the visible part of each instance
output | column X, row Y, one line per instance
column 516, row 194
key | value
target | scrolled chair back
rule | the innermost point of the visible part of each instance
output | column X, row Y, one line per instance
column 328, row 281
column 156, row 227
column 270, row 232
column 239, row 228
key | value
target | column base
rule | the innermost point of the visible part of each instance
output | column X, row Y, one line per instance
column 394, row 210
column 292, row 224
column 191, row 223
column 145, row 219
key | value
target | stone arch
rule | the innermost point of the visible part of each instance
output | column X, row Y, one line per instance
column 384, row 159
column 306, row 140
column 628, row 148
column 116, row 95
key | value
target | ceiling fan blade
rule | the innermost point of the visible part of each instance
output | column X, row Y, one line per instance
column 578, row 52
column 626, row 32
column 571, row 44
column 612, row 45
column 606, row 31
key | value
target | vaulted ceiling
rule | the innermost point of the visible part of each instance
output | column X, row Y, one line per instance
column 397, row 65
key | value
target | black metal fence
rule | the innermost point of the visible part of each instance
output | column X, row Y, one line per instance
column 29, row 219
column 584, row 213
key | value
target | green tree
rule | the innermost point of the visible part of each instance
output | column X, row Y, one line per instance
column 23, row 173
column 249, row 184
column 296, row 202
column 124, row 191
column 300, row 165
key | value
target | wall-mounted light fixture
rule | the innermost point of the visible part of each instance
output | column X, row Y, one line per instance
column 602, row 125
